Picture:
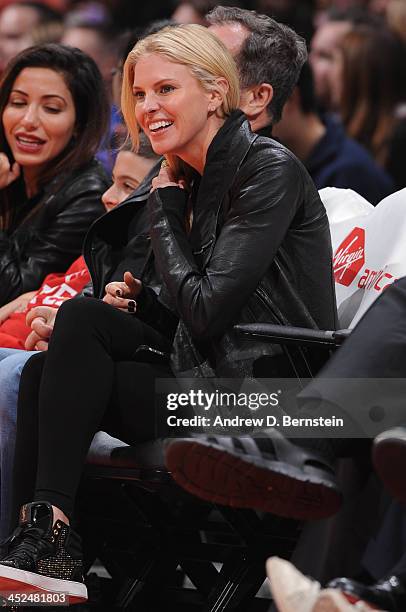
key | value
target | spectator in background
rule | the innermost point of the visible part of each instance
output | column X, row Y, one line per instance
column 331, row 158
column 195, row 11
column 50, row 32
column 323, row 45
column 298, row 15
column 97, row 38
column 192, row 11
column 379, row 7
column 58, row 5
column 396, row 17
column 17, row 22
column 370, row 83
column 129, row 14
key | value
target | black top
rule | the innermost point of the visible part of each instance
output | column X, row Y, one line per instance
column 47, row 231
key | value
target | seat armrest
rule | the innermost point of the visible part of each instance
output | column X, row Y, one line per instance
column 302, row 336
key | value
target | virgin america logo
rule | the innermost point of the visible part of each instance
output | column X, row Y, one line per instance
column 349, row 257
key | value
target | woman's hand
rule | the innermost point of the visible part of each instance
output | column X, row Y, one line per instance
column 7, row 174
column 166, row 178
column 41, row 319
column 119, row 294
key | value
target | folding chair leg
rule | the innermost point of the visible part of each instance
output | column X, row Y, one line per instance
column 239, row 581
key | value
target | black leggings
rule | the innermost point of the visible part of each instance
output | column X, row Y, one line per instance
column 85, row 382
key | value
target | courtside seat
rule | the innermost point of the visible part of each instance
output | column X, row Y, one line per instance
column 114, row 457
column 164, row 547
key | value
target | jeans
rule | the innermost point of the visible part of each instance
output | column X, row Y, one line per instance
column 12, row 362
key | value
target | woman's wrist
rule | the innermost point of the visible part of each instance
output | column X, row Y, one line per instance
column 173, row 198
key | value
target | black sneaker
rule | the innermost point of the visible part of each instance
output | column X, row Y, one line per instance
column 269, row 474
column 43, row 557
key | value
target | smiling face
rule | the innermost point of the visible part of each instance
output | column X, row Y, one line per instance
column 174, row 111
column 128, row 172
column 38, row 120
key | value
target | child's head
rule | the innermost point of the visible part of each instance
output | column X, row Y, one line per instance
column 128, row 172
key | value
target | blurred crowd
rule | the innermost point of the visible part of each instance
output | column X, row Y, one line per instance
column 355, row 88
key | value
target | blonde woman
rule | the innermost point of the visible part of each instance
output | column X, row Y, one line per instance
column 233, row 218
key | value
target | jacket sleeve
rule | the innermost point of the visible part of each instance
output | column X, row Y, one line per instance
column 264, row 199
column 51, row 240
column 152, row 311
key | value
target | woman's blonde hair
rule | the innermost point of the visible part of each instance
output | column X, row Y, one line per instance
column 190, row 45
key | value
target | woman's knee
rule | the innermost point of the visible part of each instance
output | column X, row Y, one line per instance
column 80, row 314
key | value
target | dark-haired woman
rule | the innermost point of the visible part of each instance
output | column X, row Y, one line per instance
column 53, row 113
column 369, row 89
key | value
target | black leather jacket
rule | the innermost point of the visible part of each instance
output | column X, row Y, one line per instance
column 259, row 250
column 51, row 236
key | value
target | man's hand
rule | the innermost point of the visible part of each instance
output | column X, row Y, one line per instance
column 7, row 174
column 118, row 294
column 41, row 319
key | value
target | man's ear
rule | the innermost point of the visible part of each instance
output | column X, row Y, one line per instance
column 257, row 98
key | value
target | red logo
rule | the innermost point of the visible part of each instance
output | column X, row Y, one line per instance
column 349, row 257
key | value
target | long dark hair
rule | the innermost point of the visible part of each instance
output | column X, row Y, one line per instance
column 373, row 83
column 85, row 83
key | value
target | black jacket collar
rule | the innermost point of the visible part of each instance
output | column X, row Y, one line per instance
column 224, row 156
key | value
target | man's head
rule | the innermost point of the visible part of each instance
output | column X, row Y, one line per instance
column 269, row 57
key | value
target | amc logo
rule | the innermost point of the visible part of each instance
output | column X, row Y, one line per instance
column 349, row 257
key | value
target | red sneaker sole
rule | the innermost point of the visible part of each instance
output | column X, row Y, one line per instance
column 222, row 478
